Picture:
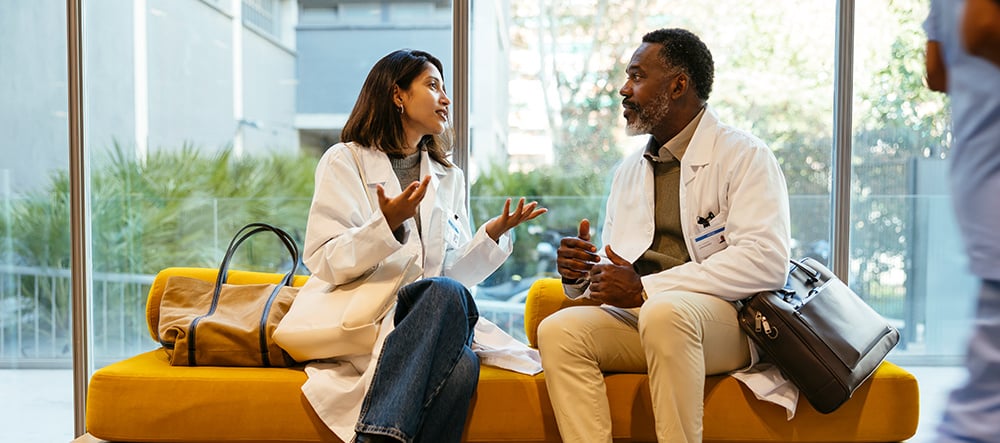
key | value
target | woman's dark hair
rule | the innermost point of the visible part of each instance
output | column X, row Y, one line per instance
column 684, row 50
column 375, row 120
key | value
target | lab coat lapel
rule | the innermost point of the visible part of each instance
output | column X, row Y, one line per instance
column 699, row 151
column 431, row 215
column 436, row 171
column 379, row 172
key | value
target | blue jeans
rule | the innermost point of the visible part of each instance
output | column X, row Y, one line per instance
column 973, row 410
column 427, row 372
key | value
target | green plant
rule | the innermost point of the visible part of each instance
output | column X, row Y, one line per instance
column 569, row 197
column 177, row 207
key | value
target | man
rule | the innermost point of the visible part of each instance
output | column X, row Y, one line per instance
column 695, row 221
column 973, row 410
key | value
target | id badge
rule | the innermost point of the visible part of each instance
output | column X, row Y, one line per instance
column 710, row 240
column 453, row 235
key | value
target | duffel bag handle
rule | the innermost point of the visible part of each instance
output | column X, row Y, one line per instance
column 248, row 231
column 244, row 233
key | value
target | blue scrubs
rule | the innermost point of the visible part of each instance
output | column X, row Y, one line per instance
column 973, row 410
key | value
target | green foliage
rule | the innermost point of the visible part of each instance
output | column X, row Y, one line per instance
column 569, row 197
column 775, row 78
column 177, row 208
column 899, row 116
column 769, row 81
column 899, row 120
column 589, row 40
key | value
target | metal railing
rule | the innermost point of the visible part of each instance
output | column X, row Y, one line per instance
column 926, row 294
column 35, row 320
column 35, row 317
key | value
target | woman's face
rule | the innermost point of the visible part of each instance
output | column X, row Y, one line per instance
column 425, row 106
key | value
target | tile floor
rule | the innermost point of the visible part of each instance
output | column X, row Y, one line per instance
column 36, row 406
column 935, row 384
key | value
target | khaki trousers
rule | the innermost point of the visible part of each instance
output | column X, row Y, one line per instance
column 680, row 338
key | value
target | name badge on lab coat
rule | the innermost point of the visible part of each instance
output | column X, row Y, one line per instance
column 453, row 235
column 709, row 239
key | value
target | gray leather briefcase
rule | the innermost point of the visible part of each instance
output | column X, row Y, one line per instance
column 821, row 335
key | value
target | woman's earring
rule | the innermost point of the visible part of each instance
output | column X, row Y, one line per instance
column 400, row 108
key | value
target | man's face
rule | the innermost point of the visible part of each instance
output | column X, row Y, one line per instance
column 646, row 92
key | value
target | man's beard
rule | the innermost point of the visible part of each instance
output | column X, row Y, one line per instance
column 646, row 118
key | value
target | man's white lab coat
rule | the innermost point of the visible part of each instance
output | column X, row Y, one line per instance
column 735, row 220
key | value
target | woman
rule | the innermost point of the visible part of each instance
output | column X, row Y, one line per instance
column 419, row 380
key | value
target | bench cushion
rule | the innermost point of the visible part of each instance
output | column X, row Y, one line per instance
column 144, row 399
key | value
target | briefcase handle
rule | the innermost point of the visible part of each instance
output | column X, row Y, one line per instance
column 812, row 275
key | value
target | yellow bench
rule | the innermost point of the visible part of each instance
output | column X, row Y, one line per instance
column 144, row 399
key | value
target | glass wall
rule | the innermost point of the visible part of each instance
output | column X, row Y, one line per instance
column 906, row 256
column 199, row 116
column 189, row 111
column 35, row 383
column 338, row 41
column 564, row 132
column 203, row 115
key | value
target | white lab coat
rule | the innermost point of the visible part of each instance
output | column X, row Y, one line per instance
column 734, row 177
column 345, row 237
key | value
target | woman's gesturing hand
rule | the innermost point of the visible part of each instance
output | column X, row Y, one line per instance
column 403, row 206
column 508, row 220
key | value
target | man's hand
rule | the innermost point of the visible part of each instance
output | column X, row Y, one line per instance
column 616, row 283
column 507, row 220
column 403, row 206
column 577, row 255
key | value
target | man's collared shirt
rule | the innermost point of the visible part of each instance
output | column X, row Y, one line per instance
column 674, row 148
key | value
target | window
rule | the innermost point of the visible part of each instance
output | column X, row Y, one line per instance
column 188, row 113
column 193, row 127
column 563, row 133
column 360, row 13
column 334, row 55
column 563, row 128
column 182, row 144
column 263, row 15
column 906, row 254
column 34, row 230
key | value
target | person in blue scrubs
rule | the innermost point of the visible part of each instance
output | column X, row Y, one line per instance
column 973, row 84
column 981, row 29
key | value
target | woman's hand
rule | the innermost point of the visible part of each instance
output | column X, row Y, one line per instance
column 403, row 206
column 507, row 220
